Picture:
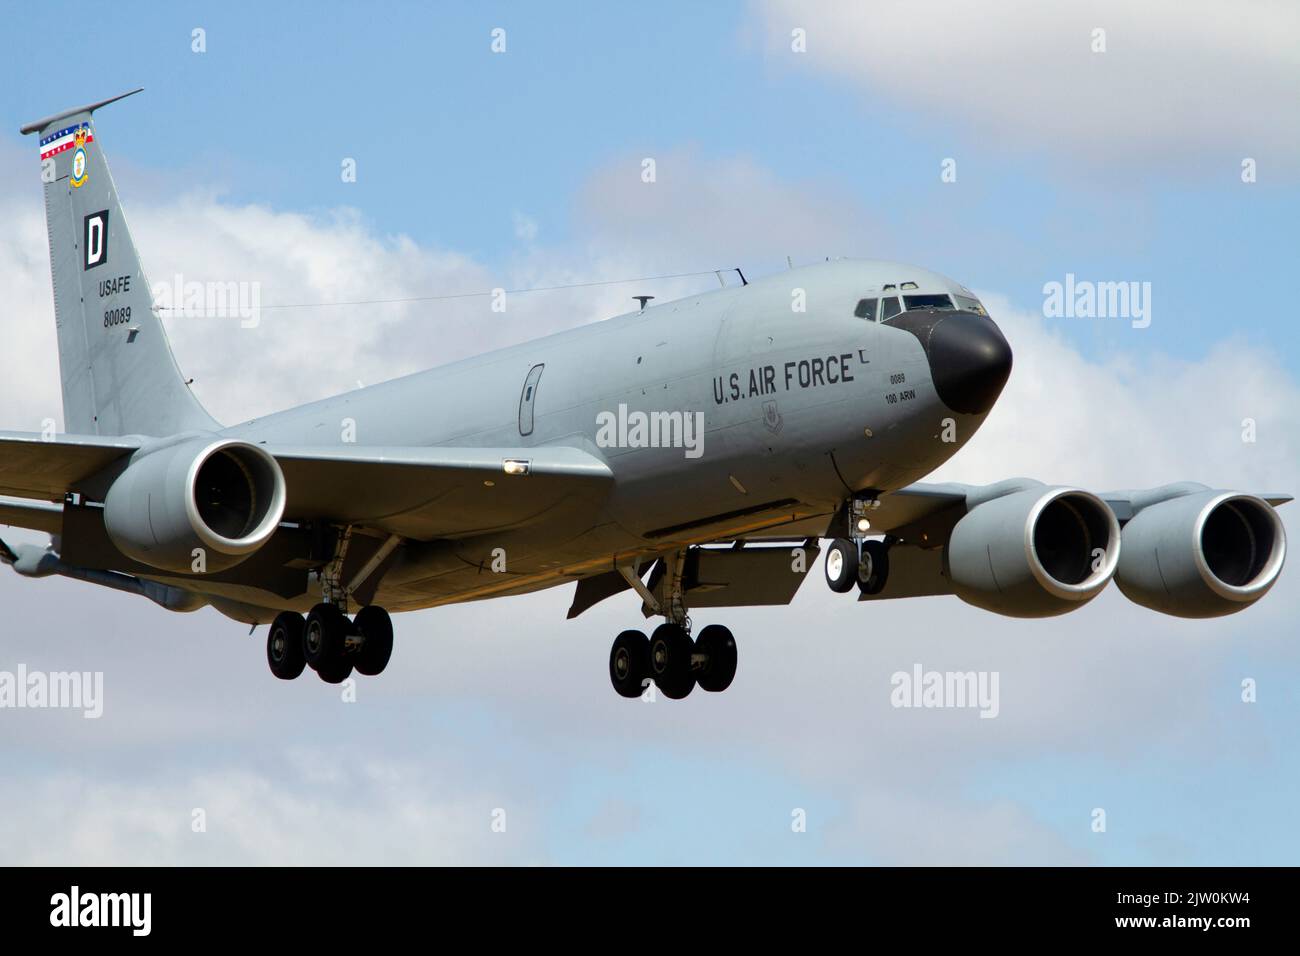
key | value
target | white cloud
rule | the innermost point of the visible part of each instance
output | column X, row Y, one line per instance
column 371, row 813
column 1136, row 419
column 1180, row 79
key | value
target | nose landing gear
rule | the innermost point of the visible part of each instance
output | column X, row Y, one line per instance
column 864, row 563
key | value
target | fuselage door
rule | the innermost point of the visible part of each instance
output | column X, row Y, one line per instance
column 526, row 399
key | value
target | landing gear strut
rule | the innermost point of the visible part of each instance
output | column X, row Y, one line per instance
column 327, row 641
column 669, row 657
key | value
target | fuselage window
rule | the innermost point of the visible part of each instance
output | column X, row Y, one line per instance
column 889, row 308
column 866, row 310
column 927, row 302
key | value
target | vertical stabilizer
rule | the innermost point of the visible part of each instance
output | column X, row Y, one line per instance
column 119, row 375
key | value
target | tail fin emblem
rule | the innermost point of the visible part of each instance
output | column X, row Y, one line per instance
column 79, row 162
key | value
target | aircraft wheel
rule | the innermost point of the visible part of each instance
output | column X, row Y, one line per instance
column 841, row 566
column 629, row 663
column 719, row 649
column 873, row 571
column 335, row 672
column 323, row 640
column 376, row 629
column 671, row 649
column 284, row 650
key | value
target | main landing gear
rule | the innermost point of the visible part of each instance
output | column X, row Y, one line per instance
column 669, row 657
column 674, row 661
column 326, row 640
column 329, row 643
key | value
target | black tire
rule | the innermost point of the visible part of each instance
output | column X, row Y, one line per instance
column 284, row 646
column 323, row 637
column 376, row 629
column 873, row 572
column 841, row 566
column 335, row 672
column 629, row 663
column 717, row 644
column 671, row 649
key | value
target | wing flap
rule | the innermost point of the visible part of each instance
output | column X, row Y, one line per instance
column 33, row 515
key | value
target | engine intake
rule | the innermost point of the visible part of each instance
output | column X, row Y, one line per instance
column 196, row 506
column 1037, row 552
column 1204, row 554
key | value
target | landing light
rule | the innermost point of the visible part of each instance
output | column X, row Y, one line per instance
column 864, row 525
column 515, row 466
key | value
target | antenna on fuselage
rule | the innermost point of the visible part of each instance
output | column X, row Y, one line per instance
column 743, row 280
column 643, row 299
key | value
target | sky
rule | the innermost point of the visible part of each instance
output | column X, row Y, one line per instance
column 522, row 168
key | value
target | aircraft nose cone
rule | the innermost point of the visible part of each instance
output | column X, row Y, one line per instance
column 970, row 361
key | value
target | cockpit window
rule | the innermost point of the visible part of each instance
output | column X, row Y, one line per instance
column 866, row 310
column 889, row 308
column 970, row 305
column 928, row 302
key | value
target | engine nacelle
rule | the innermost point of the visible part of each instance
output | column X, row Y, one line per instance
column 221, row 497
column 1203, row 554
column 1038, row 552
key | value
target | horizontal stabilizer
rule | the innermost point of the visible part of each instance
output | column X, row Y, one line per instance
column 40, row 124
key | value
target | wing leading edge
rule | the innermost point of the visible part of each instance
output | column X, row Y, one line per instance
column 415, row 492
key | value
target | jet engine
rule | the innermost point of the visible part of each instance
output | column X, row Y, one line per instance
column 198, row 506
column 1036, row 552
column 1200, row 553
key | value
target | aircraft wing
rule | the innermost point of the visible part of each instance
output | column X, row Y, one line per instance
column 916, row 512
column 923, row 515
column 419, row 492
column 436, row 492
column 33, row 467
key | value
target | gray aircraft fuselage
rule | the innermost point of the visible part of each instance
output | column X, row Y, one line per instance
column 800, row 408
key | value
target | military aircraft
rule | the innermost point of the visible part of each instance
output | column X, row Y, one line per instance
column 695, row 452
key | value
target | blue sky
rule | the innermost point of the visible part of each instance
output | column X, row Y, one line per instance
column 762, row 153
column 451, row 141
